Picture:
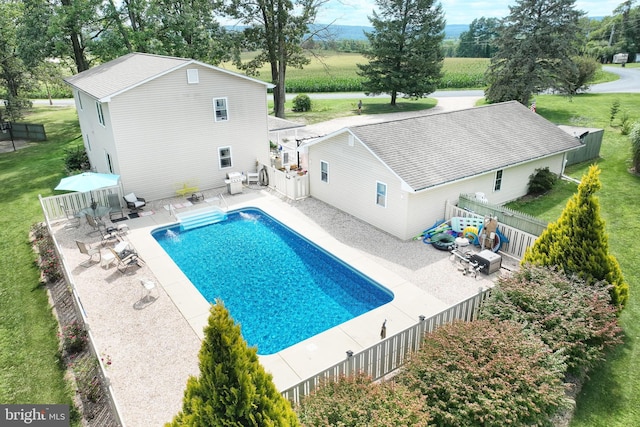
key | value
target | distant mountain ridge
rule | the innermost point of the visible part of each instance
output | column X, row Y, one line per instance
column 356, row 32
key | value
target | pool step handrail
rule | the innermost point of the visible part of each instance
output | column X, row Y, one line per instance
column 200, row 217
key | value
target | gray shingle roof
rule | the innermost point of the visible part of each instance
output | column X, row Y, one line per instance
column 123, row 73
column 434, row 149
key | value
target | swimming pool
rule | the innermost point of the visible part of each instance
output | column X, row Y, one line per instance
column 279, row 286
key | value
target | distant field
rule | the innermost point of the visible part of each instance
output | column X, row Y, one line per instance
column 337, row 72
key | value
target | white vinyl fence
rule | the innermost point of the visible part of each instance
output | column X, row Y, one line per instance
column 390, row 353
column 519, row 240
column 289, row 184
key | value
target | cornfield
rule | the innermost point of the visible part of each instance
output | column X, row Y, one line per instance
column 337, row 72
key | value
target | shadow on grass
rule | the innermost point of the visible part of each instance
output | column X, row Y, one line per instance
column 603, row 397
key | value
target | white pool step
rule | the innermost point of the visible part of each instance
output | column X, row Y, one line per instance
column 200, row 217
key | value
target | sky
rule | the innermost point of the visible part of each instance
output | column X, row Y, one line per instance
column 355, row 12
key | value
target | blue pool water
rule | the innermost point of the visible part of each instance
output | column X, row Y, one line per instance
column 278, row 285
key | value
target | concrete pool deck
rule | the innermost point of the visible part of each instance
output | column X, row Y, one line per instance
column 154, row 344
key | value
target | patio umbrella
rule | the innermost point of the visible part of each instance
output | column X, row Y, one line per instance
column 88, row 181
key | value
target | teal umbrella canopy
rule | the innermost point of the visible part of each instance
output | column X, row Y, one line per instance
column 87, row 181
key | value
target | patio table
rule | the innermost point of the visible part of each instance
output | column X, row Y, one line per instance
column 98, row 212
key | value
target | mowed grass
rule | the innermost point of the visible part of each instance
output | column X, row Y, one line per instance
column 611, row 397
column 30, row 364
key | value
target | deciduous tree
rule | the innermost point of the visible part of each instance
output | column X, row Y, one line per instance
column 535, row 43
column 405, row 54
column 577, row 242
column 276, row 29
column 233, row 389
column 477, row 42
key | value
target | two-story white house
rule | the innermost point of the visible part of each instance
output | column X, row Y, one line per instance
column 160, row 122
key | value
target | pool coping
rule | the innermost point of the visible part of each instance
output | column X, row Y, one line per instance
column 305, row 359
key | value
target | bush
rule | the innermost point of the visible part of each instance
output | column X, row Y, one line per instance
column 301, row 103
column 486, row 373
column 48, row 260
column 356, row 401
column 76, row 160
column 635, row 146
column 74, row 337
column 574, row 320
column 541, row 181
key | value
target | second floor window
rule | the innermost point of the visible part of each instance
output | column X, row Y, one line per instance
column 100, row 113
column 220, row 109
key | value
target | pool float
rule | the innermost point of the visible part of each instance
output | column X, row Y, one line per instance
column 443, row 241
column 498, row 240
column 471, row 233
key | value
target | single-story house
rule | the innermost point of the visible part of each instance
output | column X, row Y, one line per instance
column 162, row 122
column 397, row 175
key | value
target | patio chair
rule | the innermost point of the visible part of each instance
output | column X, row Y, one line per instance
column 134, row 203
column 94, row 222
column 116, row 207
column 126, row 258
column 90, row 252
column 108, row 234
column 73, row 221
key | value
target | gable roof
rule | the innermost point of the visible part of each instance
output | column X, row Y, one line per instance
column 436, row 149
column 126, row 72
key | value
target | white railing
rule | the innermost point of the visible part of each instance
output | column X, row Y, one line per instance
column 289, row 184
column 64, row 266
column 75, row 202
column 519, row 240
column 390, row 353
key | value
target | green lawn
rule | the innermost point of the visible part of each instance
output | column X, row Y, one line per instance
column 30, row 366
column 612, row 396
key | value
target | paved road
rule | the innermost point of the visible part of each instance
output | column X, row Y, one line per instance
column 629, row 82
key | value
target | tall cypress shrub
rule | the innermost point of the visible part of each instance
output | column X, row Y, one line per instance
column 578, row 244
column 233, row 389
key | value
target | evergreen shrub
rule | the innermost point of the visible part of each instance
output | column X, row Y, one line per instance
column 541, row 181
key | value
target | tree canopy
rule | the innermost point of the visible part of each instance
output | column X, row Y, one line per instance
column 577, row 242
column 478, row 41
column 536, row 43
column 405, row 54
column 233, row 388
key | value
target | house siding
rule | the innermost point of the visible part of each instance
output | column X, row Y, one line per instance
column 354, row 171
column 165, row 132
column 353, row 174
column 428, row 206
column 98, row 139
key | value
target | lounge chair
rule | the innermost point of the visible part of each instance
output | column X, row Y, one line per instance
column 108, row 234
column 116, row 207
column 134, row 203
column 90, row 252
column 126, row 258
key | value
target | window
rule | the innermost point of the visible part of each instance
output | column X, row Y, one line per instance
column 220, row 108
column 192, row 76
column 109, row 163
column 381, row 194
column 100, row 114
column 324, row 171
column 80, row 100
column 498, row 182
column 224, row 157
column 88, row 143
